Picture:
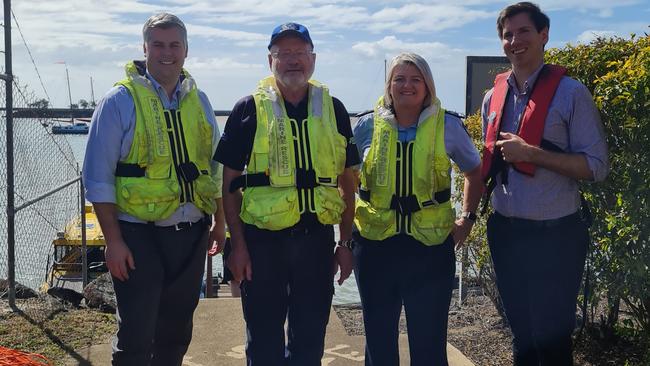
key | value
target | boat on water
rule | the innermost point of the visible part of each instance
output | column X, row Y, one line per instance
column 75, row 127
column 64, row 268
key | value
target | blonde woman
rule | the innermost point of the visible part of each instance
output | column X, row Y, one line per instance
column 404, row 215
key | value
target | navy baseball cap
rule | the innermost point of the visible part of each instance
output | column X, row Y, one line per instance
column 295, row 29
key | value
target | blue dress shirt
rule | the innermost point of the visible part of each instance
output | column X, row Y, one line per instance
column 573, row 124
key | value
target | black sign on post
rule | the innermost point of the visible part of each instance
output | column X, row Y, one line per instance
column 481, row 71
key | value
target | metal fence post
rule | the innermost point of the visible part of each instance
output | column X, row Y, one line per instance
column 11, row 213
column 84, row 246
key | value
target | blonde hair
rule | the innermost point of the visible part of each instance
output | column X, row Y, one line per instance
column 409, row 58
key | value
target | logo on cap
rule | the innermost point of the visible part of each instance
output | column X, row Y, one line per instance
column 293, row 28
column 288, row 26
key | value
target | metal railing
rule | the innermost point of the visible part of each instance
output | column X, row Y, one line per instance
column 35, row 161
column 11, row 240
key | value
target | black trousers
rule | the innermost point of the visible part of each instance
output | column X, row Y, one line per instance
column 402, row 271
column 292, row 281
column 156, row 304
column 539, row 265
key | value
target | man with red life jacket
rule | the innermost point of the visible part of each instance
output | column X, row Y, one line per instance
column 542, row 134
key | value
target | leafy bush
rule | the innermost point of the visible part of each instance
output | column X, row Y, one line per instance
column 617, row 71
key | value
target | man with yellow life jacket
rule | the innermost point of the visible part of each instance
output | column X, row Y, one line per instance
column 543, row 135
column 149, row 173
column 404, row 214
column 288, row 178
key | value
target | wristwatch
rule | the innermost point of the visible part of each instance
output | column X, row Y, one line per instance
column 349, row 243
column 471, row 216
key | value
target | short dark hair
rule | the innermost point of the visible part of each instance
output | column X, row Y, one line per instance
column 540, row 19
column 164, row 21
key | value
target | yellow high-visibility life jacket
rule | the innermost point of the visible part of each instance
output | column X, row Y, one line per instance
column 169, row 160
column 298, row 161
column 405, row 187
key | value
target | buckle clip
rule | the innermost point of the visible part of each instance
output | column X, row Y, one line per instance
column 182, row 225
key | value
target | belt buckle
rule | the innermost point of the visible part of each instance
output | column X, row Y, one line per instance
column 182, row 225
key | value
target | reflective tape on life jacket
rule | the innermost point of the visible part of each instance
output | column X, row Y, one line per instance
column 294, row 164
column 169, row 162
column 405, row 186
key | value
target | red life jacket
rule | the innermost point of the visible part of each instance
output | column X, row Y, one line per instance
column 531, row 127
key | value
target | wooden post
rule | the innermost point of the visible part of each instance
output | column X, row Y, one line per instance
column 208, row 278
column 462, row 289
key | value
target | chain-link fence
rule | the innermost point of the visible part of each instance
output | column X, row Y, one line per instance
column 42, row 162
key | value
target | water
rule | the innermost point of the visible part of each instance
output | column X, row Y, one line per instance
column 344, row 294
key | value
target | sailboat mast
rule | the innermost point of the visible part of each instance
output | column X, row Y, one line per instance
column 67, row 76
column 92, row 93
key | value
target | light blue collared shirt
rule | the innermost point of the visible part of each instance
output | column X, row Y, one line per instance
column 573, row 124
column 458, row 144
column 109, row 141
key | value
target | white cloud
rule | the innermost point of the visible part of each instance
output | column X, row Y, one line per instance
column 73, row 7
column 596, row 8
column 256, row 12
column 554, row 5
column 589, row 35
column 621, row 29
column 72, row 24
column 339, row 17
column 420, row 18
column 606, row 13
column 232, row 35
column 391, row 45
column 219, row 64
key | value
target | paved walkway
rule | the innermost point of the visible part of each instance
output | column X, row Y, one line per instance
column 219, row 340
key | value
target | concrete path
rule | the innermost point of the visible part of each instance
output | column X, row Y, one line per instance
column 219, row 340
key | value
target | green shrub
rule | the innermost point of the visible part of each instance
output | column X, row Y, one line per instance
column 617, row 71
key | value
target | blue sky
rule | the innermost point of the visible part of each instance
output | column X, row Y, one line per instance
column 228, row 39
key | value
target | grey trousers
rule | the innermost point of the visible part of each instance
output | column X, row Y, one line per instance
column 156, row 304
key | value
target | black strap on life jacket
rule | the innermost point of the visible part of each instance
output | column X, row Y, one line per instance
column 305, row 179
column 179, row 151
column 190, row 171
column 129, row 170
column 409, row 204
column 249, row 180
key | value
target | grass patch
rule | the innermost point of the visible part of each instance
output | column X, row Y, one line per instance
column 47, row 327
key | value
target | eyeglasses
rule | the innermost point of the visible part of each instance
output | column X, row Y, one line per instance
column 286, row 55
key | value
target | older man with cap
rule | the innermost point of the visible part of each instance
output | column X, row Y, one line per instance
column 294, row 141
